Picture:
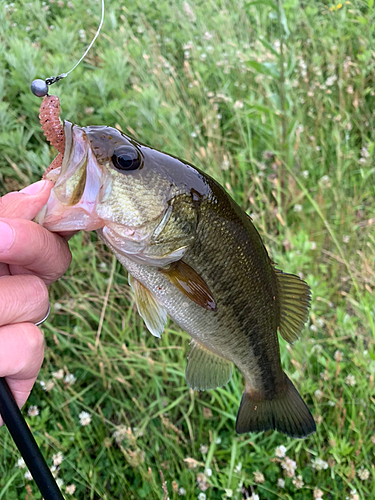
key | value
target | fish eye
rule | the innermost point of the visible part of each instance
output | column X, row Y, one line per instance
column 126, row 158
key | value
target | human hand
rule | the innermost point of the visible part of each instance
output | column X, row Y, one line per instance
column 30, row 259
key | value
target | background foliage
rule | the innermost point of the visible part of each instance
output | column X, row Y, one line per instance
column 276, row 101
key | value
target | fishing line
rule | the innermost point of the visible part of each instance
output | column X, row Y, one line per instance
column 40, row 87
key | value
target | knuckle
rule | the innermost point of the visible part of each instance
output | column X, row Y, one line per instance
column 56, row 251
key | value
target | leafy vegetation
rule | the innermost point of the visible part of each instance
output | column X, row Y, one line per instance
column 276, row 101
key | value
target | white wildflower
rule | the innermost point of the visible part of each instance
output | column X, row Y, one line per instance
column 59, row 482
column 298, row 482
column 238, row 105
column 33, row 411
column 289, row 466
column 120, row 433
column 208, row 472
column 181, row 492
column 218, row 440
column 82, row 35
column 202, row 481
column 203, row 449
column 70, row 379
column 319, row 463
column 58, row 458
column 225, row 163
column 238, row 468
column 338, row 356
column 258, row 477
column 59, row 374
column 363, row 473
column 281, row 482
column 47, row 386
column 188, row 46
column 55, row 470
column 350, row 380
column 70, row 489
column 280, row 451
column 297, row 208
column 325, row 181
column 318, row 395
column 331, row 80
column 254, row 496
column 202, row 496
column 207, row 35
column 28, row 475
column 21, row 463
column 354, row 495
column 318, row 494
column 84, row 418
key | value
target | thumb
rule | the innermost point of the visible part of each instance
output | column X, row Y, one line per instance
column 25, row 204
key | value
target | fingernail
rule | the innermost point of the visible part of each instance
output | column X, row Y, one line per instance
column 6, row 237
column 35, row 188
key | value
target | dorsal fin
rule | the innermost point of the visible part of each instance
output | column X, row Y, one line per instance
column 294, row 296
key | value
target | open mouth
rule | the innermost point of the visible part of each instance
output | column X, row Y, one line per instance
column 73, row 200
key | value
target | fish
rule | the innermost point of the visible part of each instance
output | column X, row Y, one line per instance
column 194, row 255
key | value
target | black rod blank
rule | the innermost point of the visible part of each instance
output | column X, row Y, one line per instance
column 26, row 444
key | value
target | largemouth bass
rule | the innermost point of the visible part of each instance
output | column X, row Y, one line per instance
column 191, row 253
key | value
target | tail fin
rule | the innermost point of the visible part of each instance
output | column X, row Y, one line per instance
column 286, row 413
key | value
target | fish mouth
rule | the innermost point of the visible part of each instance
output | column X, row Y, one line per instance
column 79, row 185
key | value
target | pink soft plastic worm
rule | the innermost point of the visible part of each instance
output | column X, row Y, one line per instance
column 52, row 128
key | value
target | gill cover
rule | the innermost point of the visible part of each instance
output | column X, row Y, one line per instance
column 142, row 202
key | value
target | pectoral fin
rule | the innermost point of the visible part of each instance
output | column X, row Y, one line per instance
column 188, row 281
column 152, row 313
column 294, row 296
column 206, row 370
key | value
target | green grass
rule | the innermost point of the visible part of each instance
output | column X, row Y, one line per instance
column 276, row 101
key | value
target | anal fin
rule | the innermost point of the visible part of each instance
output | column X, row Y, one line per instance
column 150, row 310
column 286, row 412
column 206, row 370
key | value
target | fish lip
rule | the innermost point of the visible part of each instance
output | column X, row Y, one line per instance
column 78, row 187
column 74, row 160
